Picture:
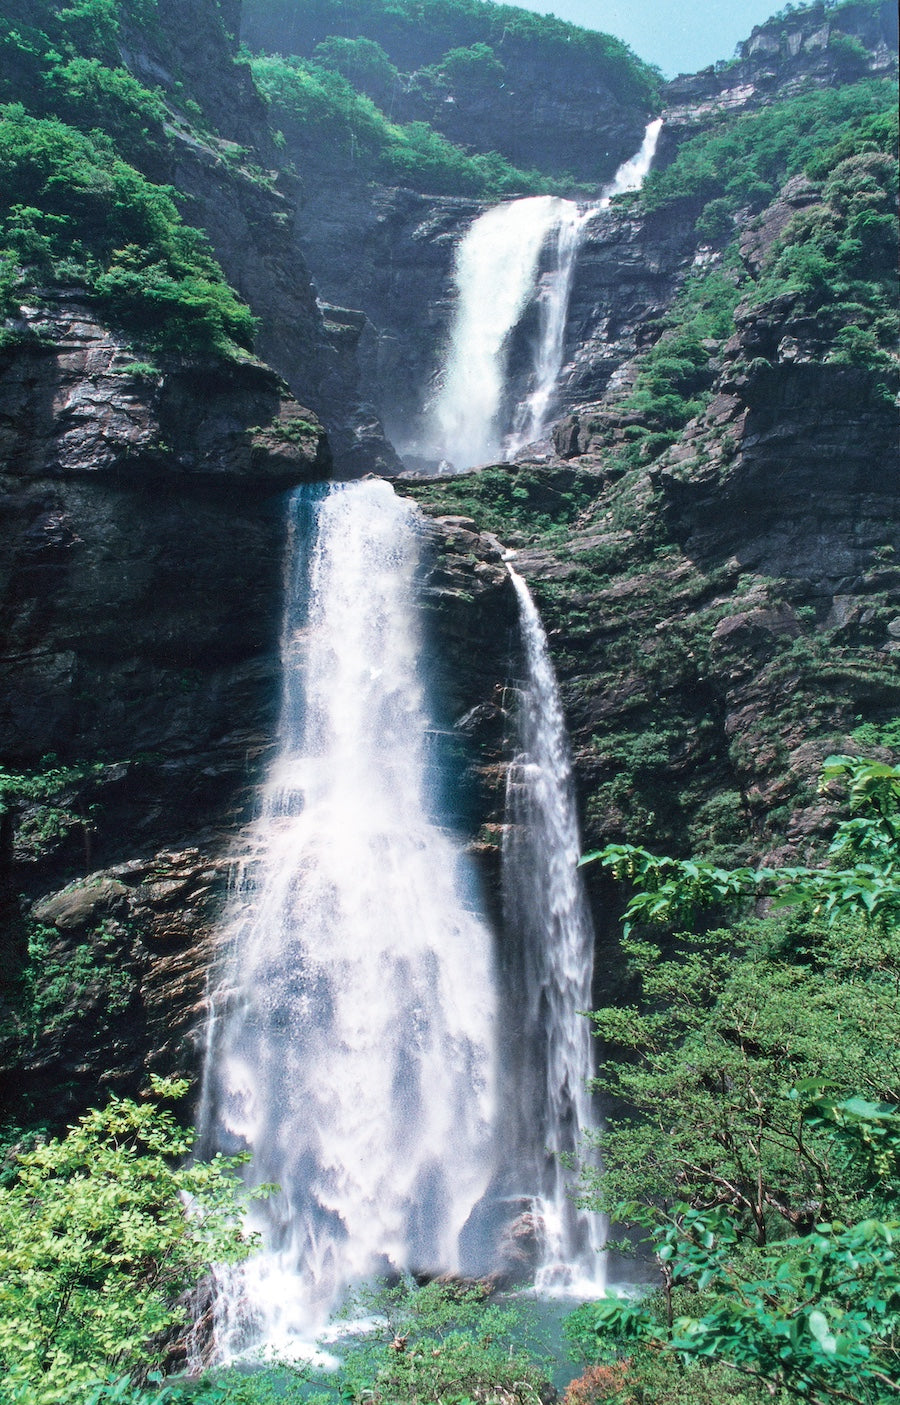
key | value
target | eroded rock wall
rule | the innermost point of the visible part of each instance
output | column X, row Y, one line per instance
column 141, row 576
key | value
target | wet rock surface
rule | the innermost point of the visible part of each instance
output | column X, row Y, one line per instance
column 140, row 600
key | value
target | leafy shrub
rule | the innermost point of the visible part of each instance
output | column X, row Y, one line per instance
column 321, row 111
column 72, row 212
column 419, row 32
column 472, row 68
column 67, row 62
column 744, row 160
column 97, row 1249
column 675, row 375
column 838, row 259
column 442, row 1344
column 361, row 61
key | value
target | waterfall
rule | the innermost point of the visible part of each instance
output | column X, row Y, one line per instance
column 495, row 274
column 631, row 173
column 548, row 922
column 531, row 415
column 352, row 1046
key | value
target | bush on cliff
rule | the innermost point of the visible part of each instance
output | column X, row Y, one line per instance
column 421, row 32
column 73, row 213
column 773, row 1213
column 322, row 114
column 744, row 160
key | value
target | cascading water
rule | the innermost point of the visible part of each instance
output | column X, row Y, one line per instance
column 351, row 1045
column 552, row 940
column 352, row 1041
column 631, row 173
column 495, row 274
column 532, row 413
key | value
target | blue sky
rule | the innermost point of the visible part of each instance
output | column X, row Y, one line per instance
column 679, row 36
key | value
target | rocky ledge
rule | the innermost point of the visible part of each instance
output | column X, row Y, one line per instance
column 141, row 581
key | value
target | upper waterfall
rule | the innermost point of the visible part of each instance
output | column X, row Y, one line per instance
column 631, row 173
column 352, row 1046
column 495, row 269
column 497, row 277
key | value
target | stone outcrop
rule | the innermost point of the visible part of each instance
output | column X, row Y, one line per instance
column 141, row 578
column 811, row 48
column 224, row 172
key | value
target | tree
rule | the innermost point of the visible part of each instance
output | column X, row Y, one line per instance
column 102, row 1233
column 816, row 1317
column 772, row 1209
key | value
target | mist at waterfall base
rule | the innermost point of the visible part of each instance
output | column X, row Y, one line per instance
column 515, row 257
column 354, row 1045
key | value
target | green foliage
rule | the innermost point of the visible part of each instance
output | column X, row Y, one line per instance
column 744, row 160
column 419, row 32
column 66, row 62
column 516, row 501
column 886, row 734
column 320, row 109
column 438, row 1345
column 361, row 61
column 472, row 68
column 46, row 784
column 772, row 1209
column 838, row 259
column 97, row 1248
column 675, row 375
column 72, row 212
column 868, row 847
column 281, row 1384
column 817, row 1316
column 62, row 983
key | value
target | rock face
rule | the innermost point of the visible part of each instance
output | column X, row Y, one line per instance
column 813, row 47
column 141, row 575
column 390, row 253
column 223, row 173
column 719, row 620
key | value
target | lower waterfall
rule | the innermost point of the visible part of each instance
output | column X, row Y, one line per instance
column 549, row 927
column 352, row 1043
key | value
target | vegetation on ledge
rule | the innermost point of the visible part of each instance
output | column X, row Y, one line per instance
column 74, row 215
column 422, row 32
column 318, row 108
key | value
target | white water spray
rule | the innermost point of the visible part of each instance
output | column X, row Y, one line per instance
column 495, row 269
column 632, row 173
column 352, row 1047
column 496, row 279
column 547, row 919
column 532, row 413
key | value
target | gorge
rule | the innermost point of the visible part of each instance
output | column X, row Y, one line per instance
column 588, row 466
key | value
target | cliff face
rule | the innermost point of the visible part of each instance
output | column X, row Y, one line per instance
column 141, row 578
column 721, row 616
column 811, row 48
column 543, row 93
column 224, row 168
